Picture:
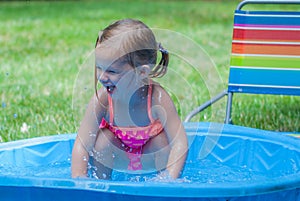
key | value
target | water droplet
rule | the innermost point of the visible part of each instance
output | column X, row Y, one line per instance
column 89, row 166
column 94, row 175
column 3, row 105
column 92, row 134
column 15, row 115
column 210, row 181
column 136, row 179
column 91, row 153
column 84, row 158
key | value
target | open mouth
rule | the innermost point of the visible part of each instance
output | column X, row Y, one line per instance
column 110, row 89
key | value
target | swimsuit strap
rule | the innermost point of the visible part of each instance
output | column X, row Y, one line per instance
column 111, row 110
column 149, row 105
column 149, row 102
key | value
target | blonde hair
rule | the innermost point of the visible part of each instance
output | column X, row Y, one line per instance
column 137, row 43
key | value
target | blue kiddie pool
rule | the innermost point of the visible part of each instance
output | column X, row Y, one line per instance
column 237, row 163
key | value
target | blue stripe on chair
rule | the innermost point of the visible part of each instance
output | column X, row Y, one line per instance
column 268, row 18
column 268, row 12
column 263, row 90
column 248, row 78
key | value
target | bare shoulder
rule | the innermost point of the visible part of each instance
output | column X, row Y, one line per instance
column 102, row 96
column 99, row 102
column 162, row 104
column 164, row 109
column 159, row 95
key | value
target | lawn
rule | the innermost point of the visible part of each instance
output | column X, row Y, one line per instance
column 46, row 61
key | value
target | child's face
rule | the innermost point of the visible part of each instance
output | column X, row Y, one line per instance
column 114, row 74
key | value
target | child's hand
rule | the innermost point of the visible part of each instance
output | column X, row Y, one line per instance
column 163, row 176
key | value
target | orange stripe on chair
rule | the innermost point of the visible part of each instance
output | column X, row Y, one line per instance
column 268, row 49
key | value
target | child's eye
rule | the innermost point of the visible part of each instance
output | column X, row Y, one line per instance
column 111, row 71
column 99, row 68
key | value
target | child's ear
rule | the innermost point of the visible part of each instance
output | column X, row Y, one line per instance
column 143, row 71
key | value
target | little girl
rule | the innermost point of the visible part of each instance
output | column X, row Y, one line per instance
column 131, row 123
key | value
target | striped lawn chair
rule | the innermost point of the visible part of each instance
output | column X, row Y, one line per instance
column 265, row 55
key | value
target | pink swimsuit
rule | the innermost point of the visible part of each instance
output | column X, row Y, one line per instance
column 134, row 138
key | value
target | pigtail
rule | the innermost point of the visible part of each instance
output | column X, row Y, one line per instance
column 97, row 41
column 161, row 69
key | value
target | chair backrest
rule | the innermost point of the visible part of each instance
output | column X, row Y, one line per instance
column 265, row 55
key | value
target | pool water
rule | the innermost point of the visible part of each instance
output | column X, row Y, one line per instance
column 55, row 170
column 199, row 171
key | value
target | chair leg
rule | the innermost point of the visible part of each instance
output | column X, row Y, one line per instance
column 228, row 119
column 205, row 105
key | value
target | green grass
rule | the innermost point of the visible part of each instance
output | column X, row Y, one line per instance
column 43, row 46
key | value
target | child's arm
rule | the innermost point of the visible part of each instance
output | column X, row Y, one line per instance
column 174, row 129
column 80, row 158
column 86, row 138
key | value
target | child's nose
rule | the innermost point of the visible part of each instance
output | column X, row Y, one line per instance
column 103, row 77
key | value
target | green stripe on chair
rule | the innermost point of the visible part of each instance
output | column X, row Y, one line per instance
column 265, row 61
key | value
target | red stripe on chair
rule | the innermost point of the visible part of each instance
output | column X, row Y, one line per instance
column 266, row 35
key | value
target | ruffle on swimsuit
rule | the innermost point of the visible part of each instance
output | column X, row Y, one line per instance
column 134, row 138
